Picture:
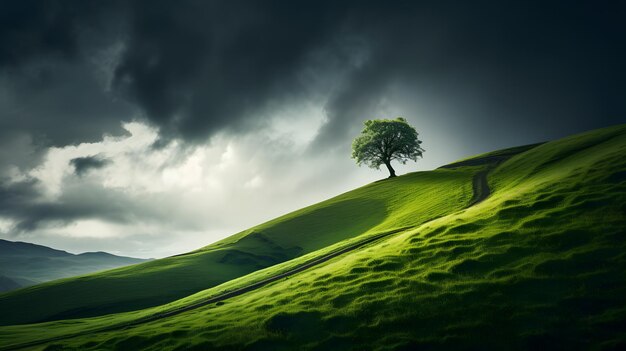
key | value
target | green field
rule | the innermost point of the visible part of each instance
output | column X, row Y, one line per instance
column 373, row 208
column 539, row 264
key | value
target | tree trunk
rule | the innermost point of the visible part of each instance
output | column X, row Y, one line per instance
column 392, row 173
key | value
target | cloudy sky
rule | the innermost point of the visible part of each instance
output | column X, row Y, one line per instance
column 149, row 128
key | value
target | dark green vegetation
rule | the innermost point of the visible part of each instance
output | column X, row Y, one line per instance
column 539, row 264
column 23, row 264
column 385, row 140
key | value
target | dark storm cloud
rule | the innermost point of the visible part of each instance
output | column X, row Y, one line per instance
column 83, row 165
column 196, row 67
column 31, row 29
column 24, row 204
column 207, row 65
column 192, row 68
column 555, row 67
column 50, row 84
column 542, row 69
column 73, row 70
column 58, row 104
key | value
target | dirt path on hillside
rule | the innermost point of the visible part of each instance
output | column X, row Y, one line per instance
column 481, row 192
column 480, row 184
column 210, row 300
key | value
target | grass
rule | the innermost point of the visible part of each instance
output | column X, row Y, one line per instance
column 401, row 202
column 537, row 265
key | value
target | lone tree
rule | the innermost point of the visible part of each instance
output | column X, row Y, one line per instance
column 385, row 140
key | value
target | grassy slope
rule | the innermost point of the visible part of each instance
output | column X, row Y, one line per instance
column 538, row 265
column 405, row 201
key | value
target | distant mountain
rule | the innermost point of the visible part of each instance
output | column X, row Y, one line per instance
column 19, row 248
column 24, row 264
column 7, row 284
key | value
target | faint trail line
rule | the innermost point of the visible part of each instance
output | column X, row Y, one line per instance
column 214, row 299
column 481, row 191
column 480, row 184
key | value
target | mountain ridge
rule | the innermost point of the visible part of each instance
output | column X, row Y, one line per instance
column 23, row 264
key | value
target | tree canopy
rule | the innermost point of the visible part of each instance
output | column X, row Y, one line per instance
column 386, row 140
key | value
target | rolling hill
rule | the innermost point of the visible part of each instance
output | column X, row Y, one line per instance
column 521, row 248
column 368, row 210
column 24, row 264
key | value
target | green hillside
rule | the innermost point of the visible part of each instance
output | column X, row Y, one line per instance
column 406, row 201
column 538, row 264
